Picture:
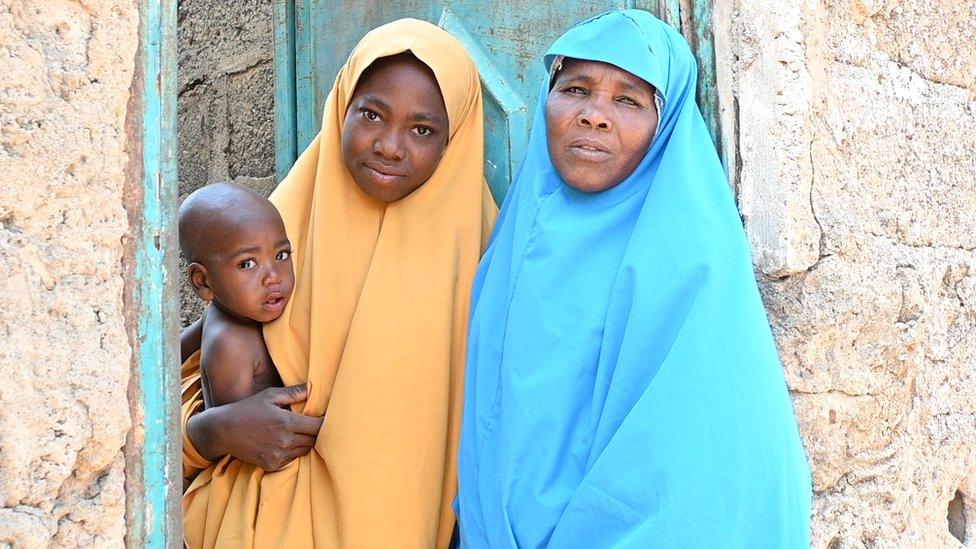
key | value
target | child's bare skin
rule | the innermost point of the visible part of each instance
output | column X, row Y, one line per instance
column 234, row 362
column 240, row 262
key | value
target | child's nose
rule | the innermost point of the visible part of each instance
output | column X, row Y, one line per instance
column 272, row 276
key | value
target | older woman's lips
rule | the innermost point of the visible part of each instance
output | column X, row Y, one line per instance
column 590, row 151
column 382, row 174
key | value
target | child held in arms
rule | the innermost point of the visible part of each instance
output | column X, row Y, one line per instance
column 240, row 264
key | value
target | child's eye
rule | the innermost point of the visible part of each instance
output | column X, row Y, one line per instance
column 247, row 264
column 423, row 131
column 370, row 115
column 283, row 255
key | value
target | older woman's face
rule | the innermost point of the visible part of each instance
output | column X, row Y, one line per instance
column 600, row 121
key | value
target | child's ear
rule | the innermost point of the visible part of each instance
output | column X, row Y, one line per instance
column 199, row 280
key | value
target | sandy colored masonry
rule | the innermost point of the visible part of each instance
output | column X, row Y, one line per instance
column 856, row 143
column 65, row 72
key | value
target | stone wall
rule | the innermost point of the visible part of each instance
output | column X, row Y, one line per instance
column 854, row 124
column 66, row 70
column 226, row 101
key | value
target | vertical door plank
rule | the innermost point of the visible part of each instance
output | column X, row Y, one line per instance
column 286, row 124
column 154, row 480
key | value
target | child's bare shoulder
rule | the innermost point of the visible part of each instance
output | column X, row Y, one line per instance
column 231, row 339
column 230, row 354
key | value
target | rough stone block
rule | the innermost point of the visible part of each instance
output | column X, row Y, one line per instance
column 67, row 69
column 868, row 107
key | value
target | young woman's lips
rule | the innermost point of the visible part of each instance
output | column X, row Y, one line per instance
column 589, row 150
column 383, row 174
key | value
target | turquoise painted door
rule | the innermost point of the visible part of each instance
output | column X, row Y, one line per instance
column 506, row 38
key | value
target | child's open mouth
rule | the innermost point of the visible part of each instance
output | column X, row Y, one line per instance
column 274, row 302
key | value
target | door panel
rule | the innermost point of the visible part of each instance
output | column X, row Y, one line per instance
column 506, row 39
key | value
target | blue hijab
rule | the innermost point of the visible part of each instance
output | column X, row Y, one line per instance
column 623, row 387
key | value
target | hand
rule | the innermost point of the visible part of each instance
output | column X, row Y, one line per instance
column 259, row 429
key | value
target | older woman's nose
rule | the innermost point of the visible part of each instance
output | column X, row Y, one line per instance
column 594, row 118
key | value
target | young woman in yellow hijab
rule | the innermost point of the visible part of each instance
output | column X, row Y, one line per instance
column 388, row 212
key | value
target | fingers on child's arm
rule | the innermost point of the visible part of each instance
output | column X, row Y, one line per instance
column 285, row 396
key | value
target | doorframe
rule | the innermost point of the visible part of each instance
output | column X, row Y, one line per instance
column 285, row 86
column 153, row 455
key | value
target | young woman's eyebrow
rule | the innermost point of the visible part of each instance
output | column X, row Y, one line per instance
column 375, row 101
column 426, row 117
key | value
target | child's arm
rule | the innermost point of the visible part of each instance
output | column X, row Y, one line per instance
column 190, row 339
column 228, row 362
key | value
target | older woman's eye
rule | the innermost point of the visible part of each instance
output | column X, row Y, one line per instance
column 628, row 101
column 247, row 264
column 370, row 115
column 575, row 90
column 423, row 131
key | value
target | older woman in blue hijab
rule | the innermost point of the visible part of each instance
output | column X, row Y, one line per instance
column 623, row 386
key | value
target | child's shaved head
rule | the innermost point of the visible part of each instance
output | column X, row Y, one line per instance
column 218, row 205
column 238, row 255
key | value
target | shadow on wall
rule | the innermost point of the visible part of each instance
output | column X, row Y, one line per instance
column 957, row 516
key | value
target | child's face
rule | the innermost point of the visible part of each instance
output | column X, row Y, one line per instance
column 396, row 129
column 249, row 275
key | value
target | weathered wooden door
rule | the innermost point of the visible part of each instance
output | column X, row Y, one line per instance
column 506, row 38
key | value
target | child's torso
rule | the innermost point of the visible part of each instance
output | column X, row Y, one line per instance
column 265, row 373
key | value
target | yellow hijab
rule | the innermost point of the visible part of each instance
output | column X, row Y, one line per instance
column 377, row 325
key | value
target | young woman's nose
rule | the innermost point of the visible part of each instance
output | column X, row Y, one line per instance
column 389, row 145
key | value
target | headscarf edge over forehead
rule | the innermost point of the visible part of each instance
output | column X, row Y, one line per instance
column 432, row 45
column 609, row 38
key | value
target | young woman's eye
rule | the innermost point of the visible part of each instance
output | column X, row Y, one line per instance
column 370, row 115
column 628, row 101
column 423, row 131
column 283, row 255
column 247, row 264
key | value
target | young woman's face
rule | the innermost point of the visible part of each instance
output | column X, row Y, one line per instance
column 396, row 128
column 600, row 121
